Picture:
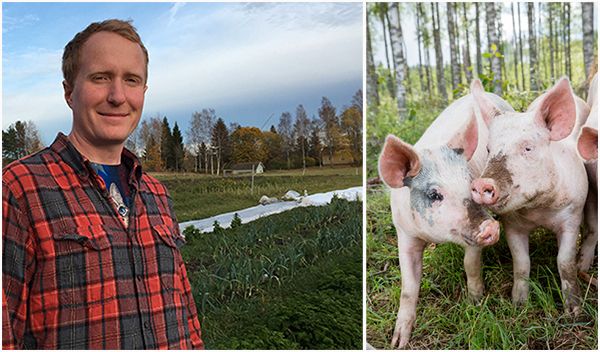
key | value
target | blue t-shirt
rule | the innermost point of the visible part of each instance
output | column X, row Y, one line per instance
column 115, row 179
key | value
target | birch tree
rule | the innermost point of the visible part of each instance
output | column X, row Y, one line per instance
column 532, row 48
column 396, row 39
column 454, row 69
column 587, row 21
column 493, row 46
column 439, row 60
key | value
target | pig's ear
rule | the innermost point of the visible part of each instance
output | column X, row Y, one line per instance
column 484, row 104
column 467, row 138
column 397, row 161
column 587, row 143
column 556, row 111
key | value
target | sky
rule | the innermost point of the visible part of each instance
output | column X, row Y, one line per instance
column 409, row 27
column 248, row 61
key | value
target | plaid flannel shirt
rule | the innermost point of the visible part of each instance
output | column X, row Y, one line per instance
column 74, row 276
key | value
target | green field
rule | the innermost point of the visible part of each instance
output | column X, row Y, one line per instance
column 198, row 196
column 287, row 281
column 447, row 319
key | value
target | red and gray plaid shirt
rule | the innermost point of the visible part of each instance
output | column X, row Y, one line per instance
column 74, row 276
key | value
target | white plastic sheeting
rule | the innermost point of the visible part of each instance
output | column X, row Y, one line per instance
column 259, row 211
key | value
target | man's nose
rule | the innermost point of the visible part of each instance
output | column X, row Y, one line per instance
column 116, row 95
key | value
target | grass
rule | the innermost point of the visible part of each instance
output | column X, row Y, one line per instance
column 447, row 319
column 198, row 196
column 288, row 281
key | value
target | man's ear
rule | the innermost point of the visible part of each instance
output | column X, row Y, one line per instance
column 68, row 91
column 145, row 89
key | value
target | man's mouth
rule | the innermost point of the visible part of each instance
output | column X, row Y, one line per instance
column 113, row 114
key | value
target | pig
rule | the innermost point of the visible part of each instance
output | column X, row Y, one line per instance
column 431, row 202
column 533, row 177
column 587, row 146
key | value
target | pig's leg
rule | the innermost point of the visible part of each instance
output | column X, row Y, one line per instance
column 567, row 268
column 517, row 237
column 588, row 246
column 473, row 270
column 410, row 251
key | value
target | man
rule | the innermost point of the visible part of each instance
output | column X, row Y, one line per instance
column 90, row 242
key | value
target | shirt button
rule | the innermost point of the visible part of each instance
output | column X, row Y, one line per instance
column 139, row 277
column 146, row 325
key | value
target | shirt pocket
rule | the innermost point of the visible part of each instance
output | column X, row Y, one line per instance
column 83, row 263
column 169, row 260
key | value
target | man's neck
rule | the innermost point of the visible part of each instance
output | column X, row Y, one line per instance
column 106, row 154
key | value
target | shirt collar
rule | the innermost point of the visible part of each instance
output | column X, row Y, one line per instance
column 70, row 155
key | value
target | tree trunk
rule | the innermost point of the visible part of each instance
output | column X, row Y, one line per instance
column 512, row 12
column 521, row 47
column 587, row 12
column 478, row 40
column 551, row 43
column 372, row 93
column 399, row 58
column 454, row 69
column 382, row 10
column 439, row 60
column 392, row 78
column 500, row 43
column 490, row 18
column 419, row 35
column 426, row 42
column 532, row 48
column 568, row 39
column 466, row 50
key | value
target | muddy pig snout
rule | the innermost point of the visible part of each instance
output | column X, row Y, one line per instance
column 484, row 191
column 489, row 233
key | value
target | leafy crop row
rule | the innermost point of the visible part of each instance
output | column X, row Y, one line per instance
column 253, row 262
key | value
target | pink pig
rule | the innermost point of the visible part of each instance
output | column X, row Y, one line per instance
column 431, row 201
column 533, row 177
column 587, row 145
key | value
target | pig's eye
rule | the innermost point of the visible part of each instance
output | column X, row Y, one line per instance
column 434, row 196
column 527, row 148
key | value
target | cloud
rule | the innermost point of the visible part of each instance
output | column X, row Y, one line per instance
column 10, row 23
column 173, row 11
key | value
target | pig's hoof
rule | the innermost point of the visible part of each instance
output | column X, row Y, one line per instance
column 399, row 341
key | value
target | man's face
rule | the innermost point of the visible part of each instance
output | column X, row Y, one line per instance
column 107, row 95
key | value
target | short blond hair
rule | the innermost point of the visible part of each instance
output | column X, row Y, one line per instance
column 70, row 59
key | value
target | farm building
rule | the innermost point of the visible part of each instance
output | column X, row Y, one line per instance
column 242, row 168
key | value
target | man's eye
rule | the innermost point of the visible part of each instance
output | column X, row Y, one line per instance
column 434, row 196
column 100, row 78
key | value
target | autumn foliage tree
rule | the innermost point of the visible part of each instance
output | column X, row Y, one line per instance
column 248, row 145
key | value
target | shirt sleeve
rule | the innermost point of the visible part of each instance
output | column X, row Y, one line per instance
column 18, row 266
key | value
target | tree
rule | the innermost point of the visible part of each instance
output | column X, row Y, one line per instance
column 152, row 160
column 532, row 48
column 478, row 41
column 315, row 147
column 331, row 126
column 352, row 128
column 177, row 148
column 166, row 145
column 439, row 60
column 454, row 69
column 274, row 143
column 419, row 36
column 426, row 45
column 551, row 42
column 466, row 49
column 396, row 39
column 248, row 145
column 200, row 132
column 493, row 46
column 284, row 129
column 20, row 139
column 587, row 22
column 521, row 47
column 301, row 132
column 220, row 141
column 372, row 86
column 567, row 29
